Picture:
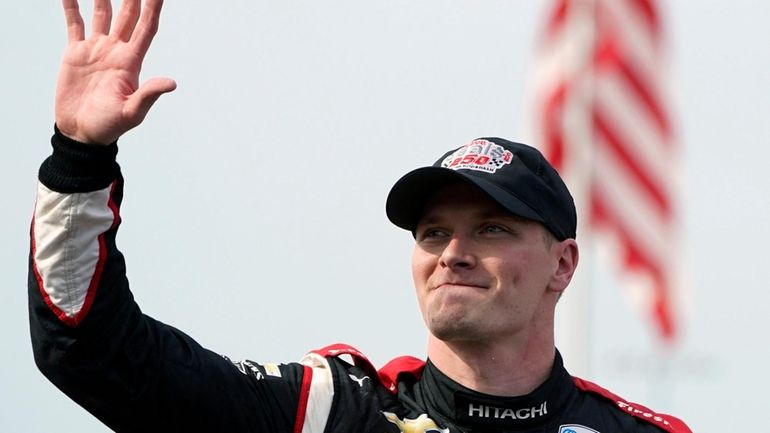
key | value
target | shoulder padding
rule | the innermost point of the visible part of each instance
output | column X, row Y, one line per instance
column 388, row 375
column 665, row 422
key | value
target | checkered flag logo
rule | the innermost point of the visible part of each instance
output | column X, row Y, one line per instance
column 479, row 155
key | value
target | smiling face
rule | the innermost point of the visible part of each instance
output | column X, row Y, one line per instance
column 482, row 273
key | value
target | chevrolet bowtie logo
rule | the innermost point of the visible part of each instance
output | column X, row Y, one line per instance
column 422, row 424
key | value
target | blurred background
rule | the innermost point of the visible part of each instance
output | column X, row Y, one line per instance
column 254, row 209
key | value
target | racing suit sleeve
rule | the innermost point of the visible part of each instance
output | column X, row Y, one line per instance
column 92, row 341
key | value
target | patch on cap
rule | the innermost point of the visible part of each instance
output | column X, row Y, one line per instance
column 479, row 155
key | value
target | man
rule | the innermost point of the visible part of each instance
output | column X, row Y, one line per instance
column 494, row 229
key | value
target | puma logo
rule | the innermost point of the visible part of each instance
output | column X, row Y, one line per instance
column 360, row 381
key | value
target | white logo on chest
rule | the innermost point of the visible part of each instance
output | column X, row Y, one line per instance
column 482, row 411
column 576, row 428
column 360, row 381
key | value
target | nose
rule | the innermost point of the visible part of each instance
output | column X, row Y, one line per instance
column 458, row 254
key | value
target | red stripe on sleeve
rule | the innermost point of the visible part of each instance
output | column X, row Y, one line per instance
column 304, row 395
column 666, row 422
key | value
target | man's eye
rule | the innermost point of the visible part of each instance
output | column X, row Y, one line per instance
column 432, row 233
column 492, row 228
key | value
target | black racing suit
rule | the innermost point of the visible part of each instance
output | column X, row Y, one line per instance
column 139, row 375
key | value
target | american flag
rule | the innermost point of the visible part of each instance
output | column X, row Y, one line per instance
column 600, row 116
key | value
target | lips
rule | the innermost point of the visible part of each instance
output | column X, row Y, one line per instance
column 460, row 284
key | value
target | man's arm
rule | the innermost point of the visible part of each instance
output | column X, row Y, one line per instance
column 89, row 336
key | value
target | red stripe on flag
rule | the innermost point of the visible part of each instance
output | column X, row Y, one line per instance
column 619, row 146
column 636, row 260
column 557, row 17
column 646, row 9
column 554, row 140
column 609, row 58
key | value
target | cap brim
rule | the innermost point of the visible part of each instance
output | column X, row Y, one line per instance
column 408, row 196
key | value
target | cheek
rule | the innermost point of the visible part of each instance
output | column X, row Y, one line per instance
column 423, row 264
column 515, row 270
column 524, row 270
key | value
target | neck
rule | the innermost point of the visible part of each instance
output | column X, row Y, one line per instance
column 502, row 368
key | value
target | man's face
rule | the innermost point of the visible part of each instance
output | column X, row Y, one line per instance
column 482, row 273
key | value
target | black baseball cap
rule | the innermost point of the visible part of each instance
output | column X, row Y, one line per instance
column 515, row 175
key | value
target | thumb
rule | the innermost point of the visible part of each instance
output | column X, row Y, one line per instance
column 143, row 99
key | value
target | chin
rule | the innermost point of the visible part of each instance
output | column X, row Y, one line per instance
column 459, row 329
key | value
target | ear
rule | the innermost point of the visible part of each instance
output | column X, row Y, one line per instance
column 566, row 252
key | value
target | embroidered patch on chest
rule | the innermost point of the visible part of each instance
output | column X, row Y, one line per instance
column 422, row 424
column 576, row 428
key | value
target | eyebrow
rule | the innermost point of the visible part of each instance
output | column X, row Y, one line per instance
column 432, row 218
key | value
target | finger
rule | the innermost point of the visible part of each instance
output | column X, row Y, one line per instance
column 127, row 18
column 142, row 100
column 102, row 17
column 147, row 27
column 75, row 28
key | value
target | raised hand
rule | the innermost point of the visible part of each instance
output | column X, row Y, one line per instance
column 98, row 96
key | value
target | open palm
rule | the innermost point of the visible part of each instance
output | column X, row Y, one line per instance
column 98, row 96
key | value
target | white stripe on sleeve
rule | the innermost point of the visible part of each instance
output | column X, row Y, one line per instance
column 66, row 232
column 319, row 403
